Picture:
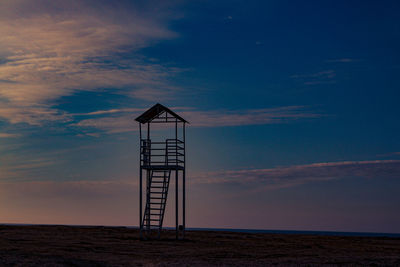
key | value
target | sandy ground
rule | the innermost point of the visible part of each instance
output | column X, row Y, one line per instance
column 114, row 246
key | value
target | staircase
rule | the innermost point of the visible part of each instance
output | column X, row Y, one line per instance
column 156, row 200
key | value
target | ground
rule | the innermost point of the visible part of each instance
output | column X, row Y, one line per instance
column 120, row 246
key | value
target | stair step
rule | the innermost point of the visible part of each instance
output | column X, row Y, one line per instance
column 151, row 214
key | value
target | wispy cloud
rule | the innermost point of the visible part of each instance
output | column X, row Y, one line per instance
column 17, row 163
column 111, row 111
column 389, row 154
column 68, row 189
column 22, row 167
column 325, row 74
column 342, row 60
column 282, row 177
column 33, row 114
column 117, row 123
column 9, row 135
column 219, row 118
column 56, row 48
column 112, row 124
column 321, row 77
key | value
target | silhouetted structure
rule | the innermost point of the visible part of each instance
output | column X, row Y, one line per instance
column 158, row 160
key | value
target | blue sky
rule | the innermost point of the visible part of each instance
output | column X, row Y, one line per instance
column 293, row 110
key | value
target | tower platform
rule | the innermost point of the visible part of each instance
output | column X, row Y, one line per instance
column 163, row 167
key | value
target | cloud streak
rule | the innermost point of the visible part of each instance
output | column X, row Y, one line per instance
column 321, row 77
column 121, row 120
column 283, row 177
column 218, row 118
column 342, row 60
column 22, row 167
column 9, row 135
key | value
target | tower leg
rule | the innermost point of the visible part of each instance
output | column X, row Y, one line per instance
column 183, row 203
column 148, row 201
column 176, row 204
column 140, row 204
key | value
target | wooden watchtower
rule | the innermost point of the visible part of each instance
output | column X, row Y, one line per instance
column 160, row 159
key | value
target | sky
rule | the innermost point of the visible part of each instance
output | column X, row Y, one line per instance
column 293, row 110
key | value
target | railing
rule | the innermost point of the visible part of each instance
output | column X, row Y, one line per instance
column 168, row 153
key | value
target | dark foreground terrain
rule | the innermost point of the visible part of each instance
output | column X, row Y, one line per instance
column 114, row 246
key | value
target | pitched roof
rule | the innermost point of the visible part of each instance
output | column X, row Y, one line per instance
column 155, row 111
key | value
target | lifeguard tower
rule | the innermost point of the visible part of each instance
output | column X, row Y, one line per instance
column 160, row 159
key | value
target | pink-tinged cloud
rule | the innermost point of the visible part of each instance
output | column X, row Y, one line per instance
column 9, row 135
column 282, row 177
column 214, row 118
column 111, row 111
column 53, row 48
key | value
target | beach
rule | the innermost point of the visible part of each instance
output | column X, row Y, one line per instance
column 52, row 245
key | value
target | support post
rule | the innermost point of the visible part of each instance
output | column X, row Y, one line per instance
column 184, row 183
column 176, row 204
column 176, row 181
column 148, row 179
column 148, row 199
column 140, row 183
column 141, row 202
